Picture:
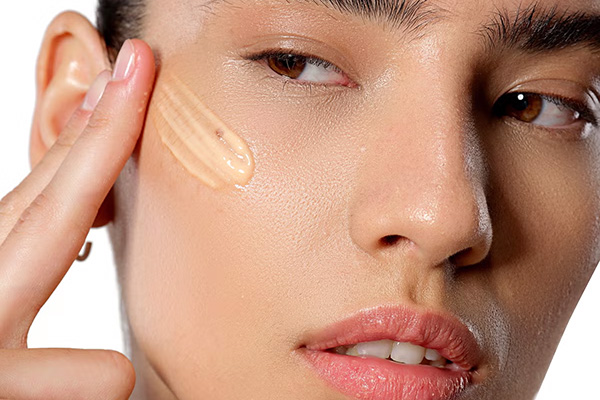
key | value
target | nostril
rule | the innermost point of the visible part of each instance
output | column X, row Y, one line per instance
column 468, row 257
column 461, row 255
column 390, row 240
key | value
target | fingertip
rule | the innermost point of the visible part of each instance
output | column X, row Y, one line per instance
column 142, row 63
column 125, row 376
column 129, row 86
column 143, row 50
column 146, row 60
column 133, row 75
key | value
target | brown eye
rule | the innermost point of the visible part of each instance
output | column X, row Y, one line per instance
column 525, row 107
column 289, row 65
column 302, row 69
column 542, row 110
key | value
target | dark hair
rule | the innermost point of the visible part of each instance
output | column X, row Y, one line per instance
column 119, row 20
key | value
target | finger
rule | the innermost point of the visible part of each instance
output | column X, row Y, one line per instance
column 13, row 204
column 32, row 374
column 46, row 239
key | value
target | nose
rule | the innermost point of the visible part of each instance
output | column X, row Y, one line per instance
column 421, row 190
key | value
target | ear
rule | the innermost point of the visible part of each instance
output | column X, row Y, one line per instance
column 72, row 54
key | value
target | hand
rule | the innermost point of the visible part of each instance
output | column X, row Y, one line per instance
column 43, row 225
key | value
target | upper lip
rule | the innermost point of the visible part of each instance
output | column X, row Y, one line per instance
column 433, row 330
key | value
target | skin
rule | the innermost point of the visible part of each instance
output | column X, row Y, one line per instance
column 200, row 141
column 495, row 219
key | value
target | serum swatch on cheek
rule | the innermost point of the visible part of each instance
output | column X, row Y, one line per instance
column 200, row 141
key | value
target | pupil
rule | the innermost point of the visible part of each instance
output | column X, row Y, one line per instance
column 521, row 102
column 288, row 65
column 288, row 61
column 525, row 107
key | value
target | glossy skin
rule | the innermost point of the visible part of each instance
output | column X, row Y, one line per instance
column 395, row 183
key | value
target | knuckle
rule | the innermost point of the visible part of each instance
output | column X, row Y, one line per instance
column 79, row 115
column 42, row 210
column 10, row 203
column 99, row 122
column 71, row 132
column 64, row 143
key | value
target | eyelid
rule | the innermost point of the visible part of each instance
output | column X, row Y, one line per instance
column 585, row 113
column 275, row 52
column 573, row 95
column 306, row 47
column 281, row 52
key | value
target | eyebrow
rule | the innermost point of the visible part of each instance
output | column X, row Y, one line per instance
column 409, row 15
column 532, row 29
column 540, row 30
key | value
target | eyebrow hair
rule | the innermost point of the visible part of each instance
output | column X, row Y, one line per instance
column 533, row 29
column 536, row 30
column 410, row 15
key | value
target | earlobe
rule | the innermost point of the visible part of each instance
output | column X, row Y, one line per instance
column 71, row 56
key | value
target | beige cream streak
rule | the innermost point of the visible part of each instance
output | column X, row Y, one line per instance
column 199, row 140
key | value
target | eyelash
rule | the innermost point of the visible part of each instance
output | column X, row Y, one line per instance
column 265, row 55
column 585, row 113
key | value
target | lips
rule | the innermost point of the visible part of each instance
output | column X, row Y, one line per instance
column 370, row 378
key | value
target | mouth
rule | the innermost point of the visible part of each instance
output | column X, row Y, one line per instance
column 398, row 352
column 393, row 353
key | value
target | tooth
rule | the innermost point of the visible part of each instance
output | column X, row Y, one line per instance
column 441, row 363
column 379, row 348
column 453, row 367
column 352, row 351
column 432, row 355
column 408, row 353
column 341, row 350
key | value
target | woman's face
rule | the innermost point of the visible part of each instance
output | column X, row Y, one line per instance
column 444, row 160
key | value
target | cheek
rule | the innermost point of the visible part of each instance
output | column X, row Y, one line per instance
column 201, row 142
column 547, row 218
column 545, row 212
column 210, row 268
column 182, row 281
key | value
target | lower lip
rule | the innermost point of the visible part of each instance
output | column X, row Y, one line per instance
column 370, row 378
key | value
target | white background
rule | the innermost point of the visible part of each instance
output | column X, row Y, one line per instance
column 84, row 311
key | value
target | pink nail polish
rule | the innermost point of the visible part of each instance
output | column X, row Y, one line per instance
column 125, row 62
column 96, row 90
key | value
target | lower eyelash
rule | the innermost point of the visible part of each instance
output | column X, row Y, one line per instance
column 304, row 85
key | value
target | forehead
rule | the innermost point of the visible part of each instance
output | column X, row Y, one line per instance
column 397, row 10
column 535, row 26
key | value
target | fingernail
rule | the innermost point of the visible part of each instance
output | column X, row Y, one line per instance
column 125, row 62
column 96, row 90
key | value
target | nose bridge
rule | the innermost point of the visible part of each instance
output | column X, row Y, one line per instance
column 422, row 182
